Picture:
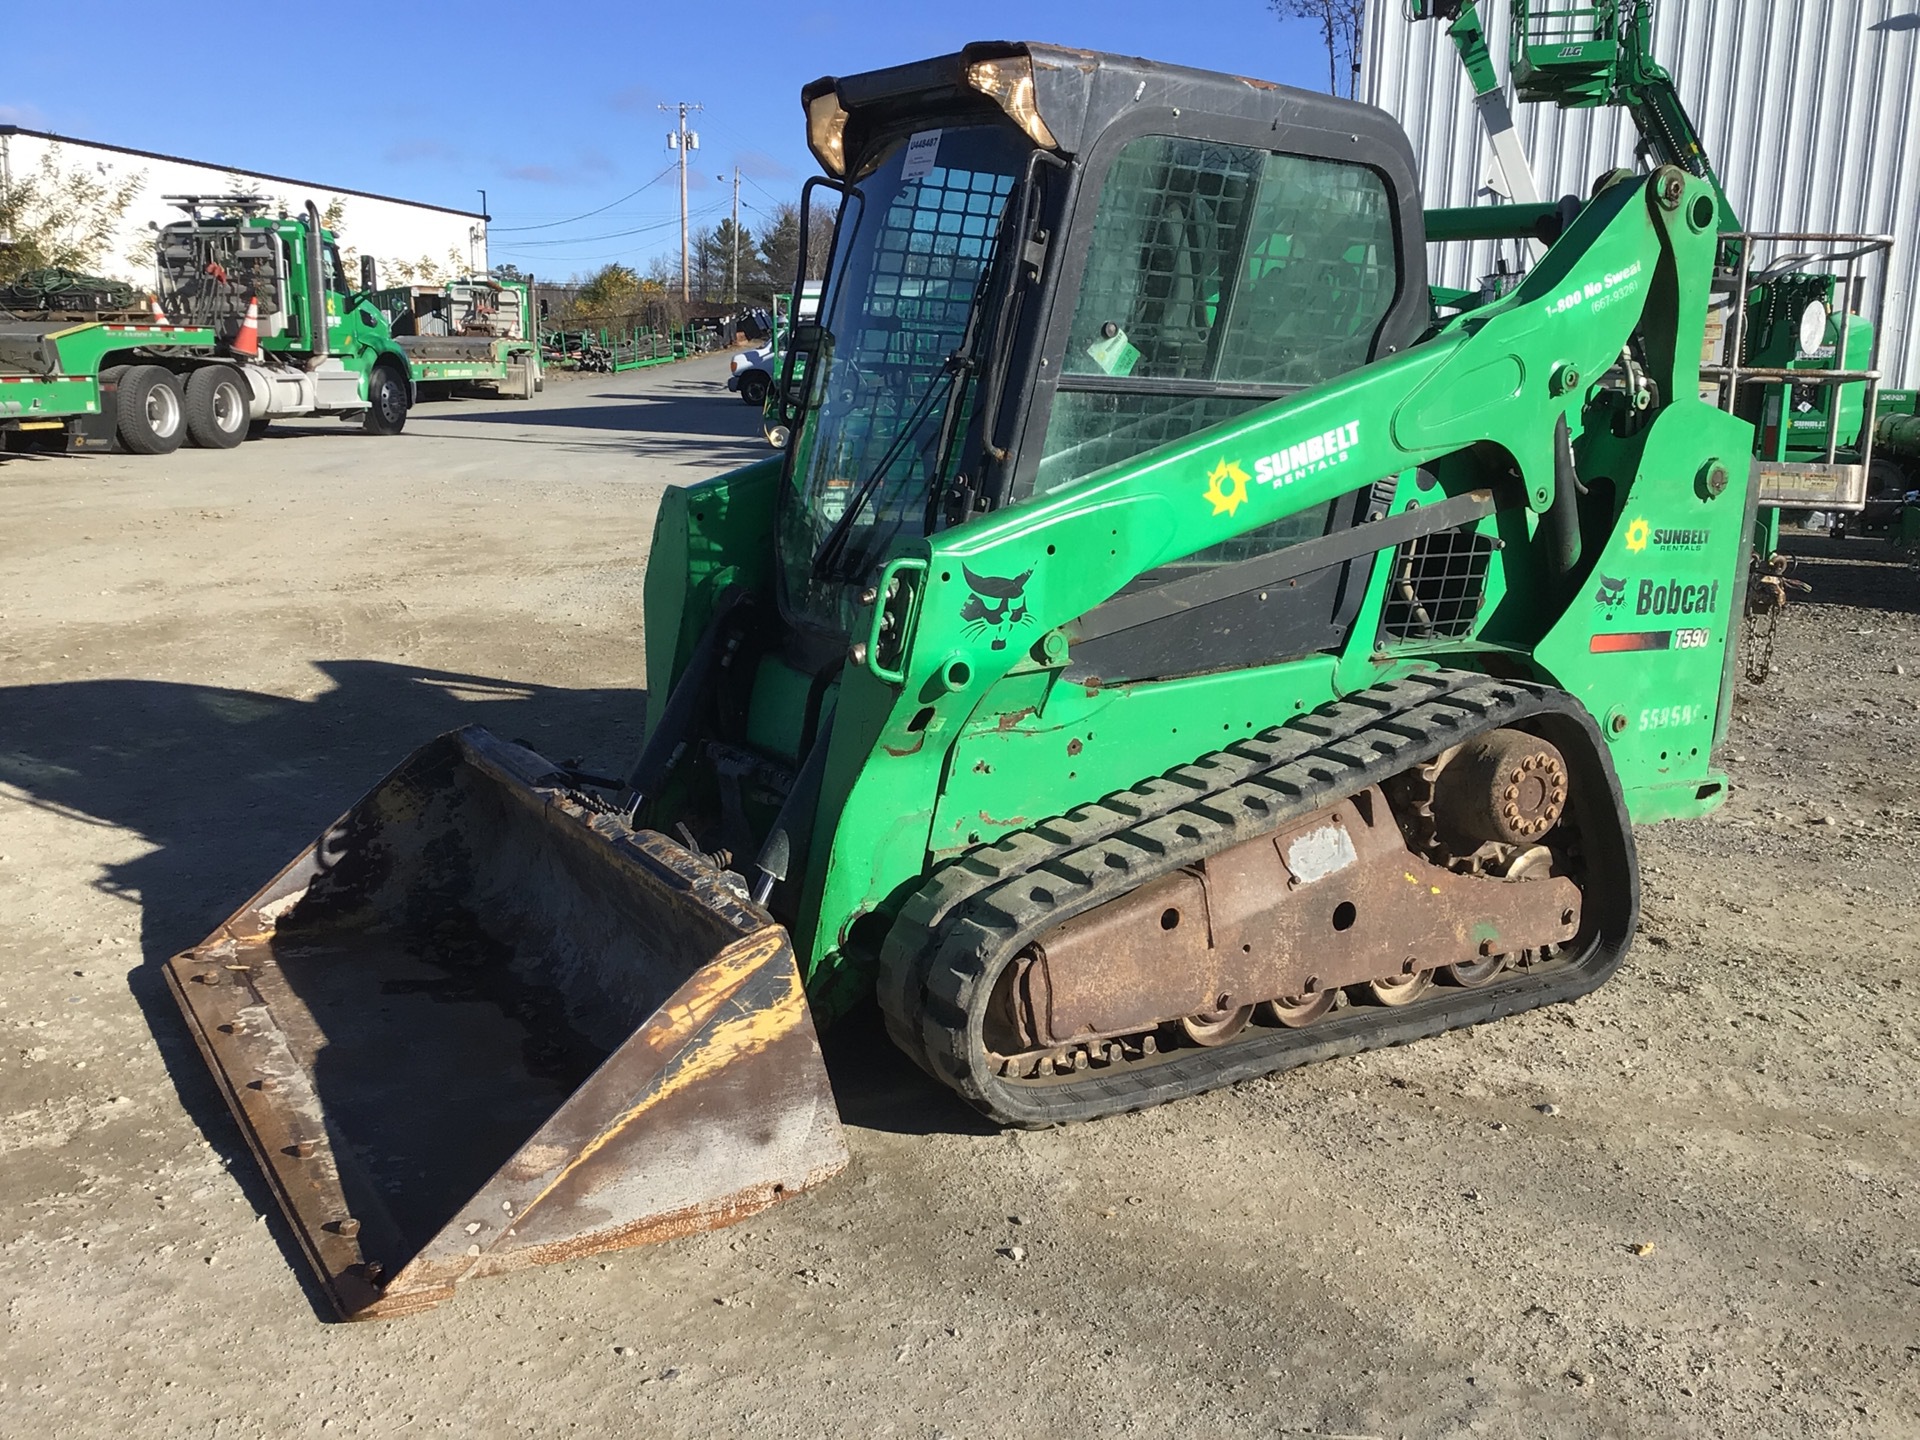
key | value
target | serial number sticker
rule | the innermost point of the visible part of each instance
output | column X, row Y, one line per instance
column 1669, row 717
column 1691, row 639
column 923, row 148
column 1320, row 853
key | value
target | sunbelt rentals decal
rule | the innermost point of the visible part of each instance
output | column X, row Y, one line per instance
column 1228, row 479
column 1641, row 536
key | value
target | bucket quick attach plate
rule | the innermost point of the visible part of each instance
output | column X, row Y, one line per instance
column 478, row 1025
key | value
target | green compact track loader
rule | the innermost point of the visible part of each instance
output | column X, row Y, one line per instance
column 1163, row 652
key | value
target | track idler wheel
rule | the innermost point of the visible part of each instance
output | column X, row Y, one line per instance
column 1297, row 1012
column 1401, row 989
column 1474, row 974
column 1216, row 1027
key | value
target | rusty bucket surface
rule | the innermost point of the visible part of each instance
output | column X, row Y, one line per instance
column 478, row 1025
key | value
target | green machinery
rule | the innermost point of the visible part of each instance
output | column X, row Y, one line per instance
column 257, row 321
column 614, row 349
column 1793, row 356
column 752, row 372
column 1893, row 486
column 1166, row 651
column 465, row 332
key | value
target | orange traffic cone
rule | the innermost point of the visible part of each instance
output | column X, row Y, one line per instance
column 159, row 315
column 247, row 342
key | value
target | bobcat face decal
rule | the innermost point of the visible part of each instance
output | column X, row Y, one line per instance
column 1611, row 595
column 997, row 605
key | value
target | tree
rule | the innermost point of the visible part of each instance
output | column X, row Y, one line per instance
column 1339, row 22
column 780, row 250
column 713, row 262
column 664, row 272
column 611, row 291
column 64, row 217
column 820, row 226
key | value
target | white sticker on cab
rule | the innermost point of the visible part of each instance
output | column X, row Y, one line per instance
column 923, row 148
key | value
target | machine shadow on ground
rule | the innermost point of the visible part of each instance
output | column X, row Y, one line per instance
column 227, row 786
column 1862, row 571
column 714, row 417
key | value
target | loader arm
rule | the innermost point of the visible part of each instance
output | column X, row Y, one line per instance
column 1639, row 258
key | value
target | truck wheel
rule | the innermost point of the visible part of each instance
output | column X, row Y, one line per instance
column 753, row 388
column 217, row 406
column 149, row 413
column 386, row 402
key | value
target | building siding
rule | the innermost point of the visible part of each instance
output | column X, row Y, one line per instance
column 1809, row 110
column 395, row 232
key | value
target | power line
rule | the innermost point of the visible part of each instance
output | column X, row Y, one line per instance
column 511, row 229
column 587, row 239
column 764, row 191
column 734, row 135
column 520, row 248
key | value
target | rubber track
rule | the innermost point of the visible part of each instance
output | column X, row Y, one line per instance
column 952, row 939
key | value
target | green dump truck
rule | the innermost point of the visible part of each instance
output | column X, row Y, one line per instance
column 467, row 332
column 254, row 321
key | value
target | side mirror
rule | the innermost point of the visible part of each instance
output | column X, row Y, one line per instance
column 369, row 274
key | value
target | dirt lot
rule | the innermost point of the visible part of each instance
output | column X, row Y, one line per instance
column 1685, row 1205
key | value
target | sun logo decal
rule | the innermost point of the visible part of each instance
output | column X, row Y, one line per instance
column 1226, row 487
column 1637, row 534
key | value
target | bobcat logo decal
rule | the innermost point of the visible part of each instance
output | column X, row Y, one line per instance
column 1611, row 595
column 996, row 606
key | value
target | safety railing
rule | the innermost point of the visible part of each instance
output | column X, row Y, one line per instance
column 1845, row 257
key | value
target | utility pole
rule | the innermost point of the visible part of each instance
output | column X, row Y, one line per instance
column 683, row 140
column 734, row 288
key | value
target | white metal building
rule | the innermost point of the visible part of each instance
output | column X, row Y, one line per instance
column 1809, row 110
column 408, row 239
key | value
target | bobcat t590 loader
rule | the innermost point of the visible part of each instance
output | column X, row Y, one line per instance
column 1165, row 651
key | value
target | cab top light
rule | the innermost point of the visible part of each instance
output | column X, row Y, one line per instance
column 827, row 132
column 1009, row 82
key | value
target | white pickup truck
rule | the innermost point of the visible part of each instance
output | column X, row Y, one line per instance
column 754, row 371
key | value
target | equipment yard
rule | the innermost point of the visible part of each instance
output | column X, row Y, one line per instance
column 1682, row 1204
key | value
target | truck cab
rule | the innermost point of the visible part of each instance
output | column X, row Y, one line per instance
column 322, row 346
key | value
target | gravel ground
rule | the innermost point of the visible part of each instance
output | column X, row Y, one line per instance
column 1684, row 1205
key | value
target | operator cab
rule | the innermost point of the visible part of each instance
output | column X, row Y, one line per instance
column 1048, row 262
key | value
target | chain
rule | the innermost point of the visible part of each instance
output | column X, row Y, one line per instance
column 1762, row 631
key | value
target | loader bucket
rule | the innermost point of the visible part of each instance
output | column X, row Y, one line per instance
column 480, row 1025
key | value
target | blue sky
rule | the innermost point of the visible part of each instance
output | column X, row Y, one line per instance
column 581, row 131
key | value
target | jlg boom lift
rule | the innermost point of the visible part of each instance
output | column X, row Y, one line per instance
column 1787, row 346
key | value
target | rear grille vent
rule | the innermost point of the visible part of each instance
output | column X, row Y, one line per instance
column 1439, row 584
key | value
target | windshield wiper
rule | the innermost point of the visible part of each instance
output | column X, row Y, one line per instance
column 834, row 545
column 957, row 366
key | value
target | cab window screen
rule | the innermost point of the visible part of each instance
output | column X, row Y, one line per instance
column 1216, row 263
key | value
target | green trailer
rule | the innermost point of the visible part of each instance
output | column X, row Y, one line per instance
column 467, row 332
column 256, row 321
column 97, row 385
